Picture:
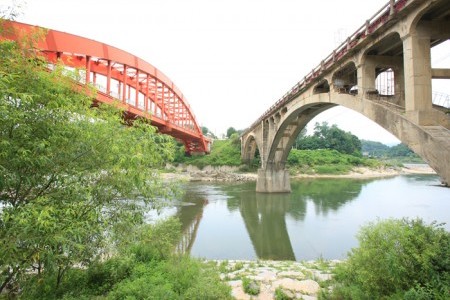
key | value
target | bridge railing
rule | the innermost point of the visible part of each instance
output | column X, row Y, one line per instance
column 380, row 18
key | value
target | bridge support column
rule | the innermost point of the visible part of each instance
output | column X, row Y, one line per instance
column 273, row 179
column 417, row 69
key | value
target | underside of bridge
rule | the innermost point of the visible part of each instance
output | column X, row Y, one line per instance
column 384, row 72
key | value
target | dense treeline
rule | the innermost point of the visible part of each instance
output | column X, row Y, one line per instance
column 379, row 150
column 329, row 137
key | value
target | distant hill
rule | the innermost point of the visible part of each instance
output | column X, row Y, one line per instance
column 400, row 152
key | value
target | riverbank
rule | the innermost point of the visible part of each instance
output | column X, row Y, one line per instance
column 232, row 174
column 266, row 280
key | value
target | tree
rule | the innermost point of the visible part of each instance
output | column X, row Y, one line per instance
column 326, row 137
column 400, row 150
column 230, row 131
column 397, row 259
column 70, row 174
column 207, row 132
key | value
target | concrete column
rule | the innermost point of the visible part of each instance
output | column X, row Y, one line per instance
column 399, row 84
column 366, row 75
column 273, row 179
column 417, row 75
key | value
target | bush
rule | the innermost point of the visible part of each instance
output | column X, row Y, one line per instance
column 144, row 268
column 251, row 287
column 404, row 259
column 176, row 278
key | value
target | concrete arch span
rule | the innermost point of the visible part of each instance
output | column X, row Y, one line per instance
column 429, row 142
column 398, row 39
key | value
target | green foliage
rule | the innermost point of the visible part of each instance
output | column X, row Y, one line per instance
column 223, row 153
column 326, row 137
column 131, row 275
column 397, row 259
column 251, row 287
column 230, row 131
column 325, row 161
column 376, row 149
column 150, row 242
column 281, row 295
column 65, row 169
column 207, row 132
column 177, row 278
column 398, row 152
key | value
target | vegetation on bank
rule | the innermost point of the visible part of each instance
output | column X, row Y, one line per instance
column 223, row 153
column 395, row 155
column 306, row 161
column 75, row 183
column 325, row 161
column 144, row 266
column 396, row 259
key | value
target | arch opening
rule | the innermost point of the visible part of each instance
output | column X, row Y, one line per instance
column 345, row 80
column 322, row 87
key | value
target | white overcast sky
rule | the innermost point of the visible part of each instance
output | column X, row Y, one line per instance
column 232, row 59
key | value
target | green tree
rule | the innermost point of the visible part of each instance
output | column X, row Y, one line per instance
column 373, row 148
column 397, row 259
column 69, row 173
column 326, row 137
column 300, row 137
column 400, row 150
column 231, row 131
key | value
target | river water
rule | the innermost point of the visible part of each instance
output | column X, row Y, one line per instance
column 320, row 218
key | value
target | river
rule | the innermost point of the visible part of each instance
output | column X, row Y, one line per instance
column 320, row 218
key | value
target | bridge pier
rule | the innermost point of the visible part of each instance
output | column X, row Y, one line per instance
column 273, row 179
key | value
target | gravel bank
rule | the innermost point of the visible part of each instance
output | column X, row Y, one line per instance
column 295, row 280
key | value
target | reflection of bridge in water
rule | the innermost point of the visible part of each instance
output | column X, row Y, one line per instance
column 265, row 216
column 190, row 214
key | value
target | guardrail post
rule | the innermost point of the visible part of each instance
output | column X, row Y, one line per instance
column 391, row 7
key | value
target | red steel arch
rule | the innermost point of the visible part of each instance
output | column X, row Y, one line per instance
column 143, row 90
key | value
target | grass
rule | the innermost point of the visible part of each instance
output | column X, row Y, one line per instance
column 223, row 153
column 324, row 161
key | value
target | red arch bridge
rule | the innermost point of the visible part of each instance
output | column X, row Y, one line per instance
column 120, row 78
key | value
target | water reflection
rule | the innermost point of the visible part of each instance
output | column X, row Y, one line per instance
column 319, row 217
column 327, row 194
column 264, row 218
column 265, row 214
column 190, row 212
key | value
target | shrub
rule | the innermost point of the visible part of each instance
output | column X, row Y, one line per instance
column 404, row 259
column 281, row 295
column 250, row 286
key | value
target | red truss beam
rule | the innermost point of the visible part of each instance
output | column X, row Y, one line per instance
column 118, row 76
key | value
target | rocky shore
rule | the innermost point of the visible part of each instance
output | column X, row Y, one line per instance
column 265, row 280
column 232, row 174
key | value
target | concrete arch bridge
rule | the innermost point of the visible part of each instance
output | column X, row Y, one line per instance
column 382, row 71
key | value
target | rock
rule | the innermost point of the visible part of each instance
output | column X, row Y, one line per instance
column 322, row 276
column 266, row 276
column 237, row 292
column 309, row 287
column 305, row 286
column 291, row 274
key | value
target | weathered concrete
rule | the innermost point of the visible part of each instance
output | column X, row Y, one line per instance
column 405, row 109
column 273, row 180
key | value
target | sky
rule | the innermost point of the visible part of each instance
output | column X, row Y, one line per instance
column 232, row 59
